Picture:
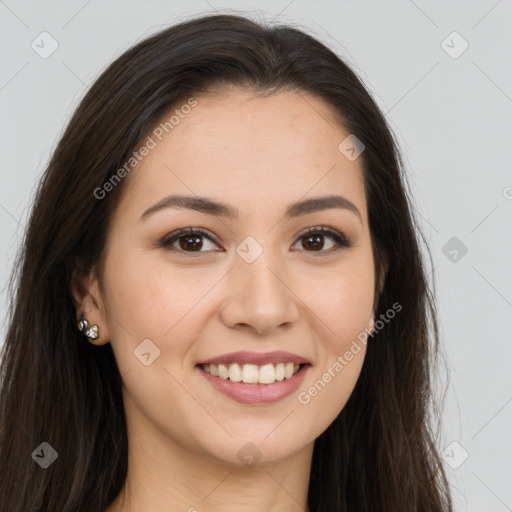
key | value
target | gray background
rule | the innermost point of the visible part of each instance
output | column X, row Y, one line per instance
column 453, row 120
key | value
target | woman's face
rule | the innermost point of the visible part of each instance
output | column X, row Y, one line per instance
column 252, row 283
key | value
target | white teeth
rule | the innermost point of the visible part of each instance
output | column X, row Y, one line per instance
column 267, row 374
column 223, row 372
column 235, row 373
column 251, row 373
column 279, row 371
column 288, row 370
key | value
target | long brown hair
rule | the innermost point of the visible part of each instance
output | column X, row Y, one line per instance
column 380, row 452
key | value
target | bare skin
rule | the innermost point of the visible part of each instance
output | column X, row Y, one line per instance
column 259, row 155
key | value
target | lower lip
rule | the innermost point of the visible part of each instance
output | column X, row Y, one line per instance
column 257, row 393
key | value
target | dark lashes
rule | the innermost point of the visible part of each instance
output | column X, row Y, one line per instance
column 341, row 240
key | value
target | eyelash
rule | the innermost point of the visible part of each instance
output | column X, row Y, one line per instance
column 341, row 240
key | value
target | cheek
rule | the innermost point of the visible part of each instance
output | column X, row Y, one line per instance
column 145, row 301
column 343, row 301
column 147, row 296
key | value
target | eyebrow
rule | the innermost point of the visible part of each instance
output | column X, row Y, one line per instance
column 220, row 209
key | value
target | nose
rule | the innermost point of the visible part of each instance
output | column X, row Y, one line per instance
column 258, row 297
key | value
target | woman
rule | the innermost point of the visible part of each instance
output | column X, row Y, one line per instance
column 220, row 301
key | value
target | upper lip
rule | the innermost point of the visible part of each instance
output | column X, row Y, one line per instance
column 257, row 358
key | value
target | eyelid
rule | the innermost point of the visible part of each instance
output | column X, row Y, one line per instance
column 341, row 240
column 166, row 241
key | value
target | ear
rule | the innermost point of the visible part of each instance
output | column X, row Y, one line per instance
column 86, row 296
column 384, row 266
column 371, row 324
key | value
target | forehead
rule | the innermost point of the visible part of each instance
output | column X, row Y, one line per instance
column 247, row 150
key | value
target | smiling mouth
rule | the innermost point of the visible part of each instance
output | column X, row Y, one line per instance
column 253, row 374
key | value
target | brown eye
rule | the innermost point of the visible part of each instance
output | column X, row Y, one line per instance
column 193, row 242
column 313, row 240
column 189, row 240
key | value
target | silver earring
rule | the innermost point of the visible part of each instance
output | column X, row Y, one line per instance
column 91, row 331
